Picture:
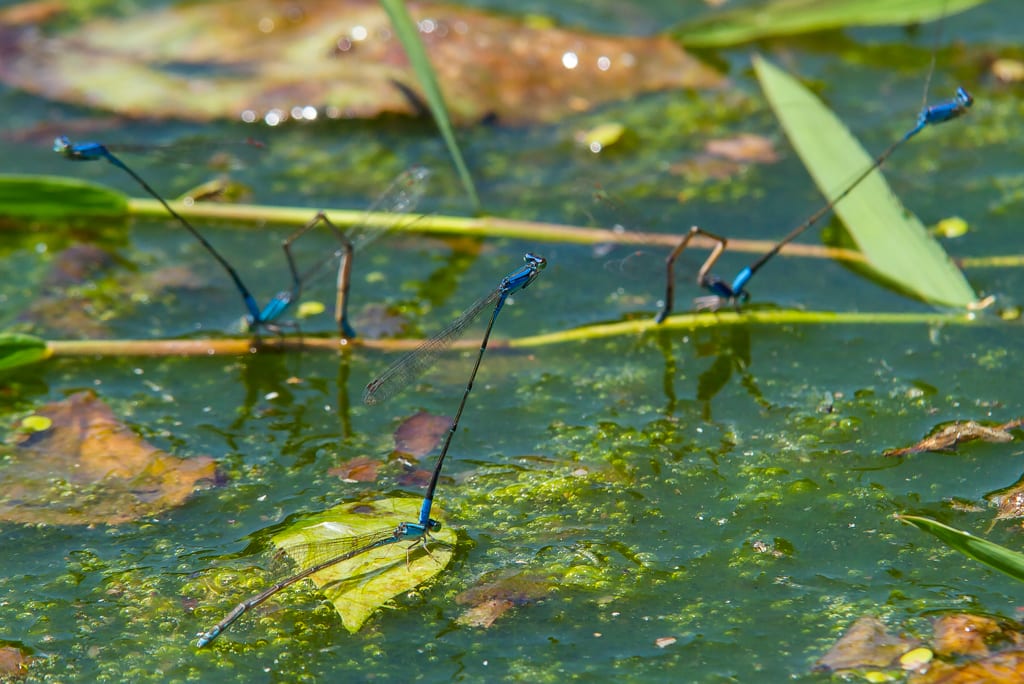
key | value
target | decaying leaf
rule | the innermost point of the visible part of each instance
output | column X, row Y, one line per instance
column 90, row 468
column 271, row 61
column 949, row 436
column 1002, row 668
column 1009, row 501
column 420, row 434
column 359, row 469
column 14, row 664
column 867, row 643
column 963, row 634
column 359, row 586
column 965, row 644
column 745, row 147
column 490, row 600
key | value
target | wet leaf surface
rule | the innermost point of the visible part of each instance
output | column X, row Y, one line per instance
column 867, row 643
column 963, row 634
column 949, row 436
column 359, row 586
column 967, row 649
column 14, row 664
column 490, row 600
column 1009, row 502
column 359, row 469
column 89, row 467
column 420, row 434
column 216, row 60
column 1002, row 668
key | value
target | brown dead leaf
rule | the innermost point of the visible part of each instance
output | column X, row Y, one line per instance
column 867, row 643
column 949, row 436
column 1002, row 668
column 90, row 468
column 77, row 264
column 963, row 634
column 490, row 600
column 1009, row 501
column 14, row 663
column 271, row 61
column 746, row 147
column 420, row 434
column 359, row 469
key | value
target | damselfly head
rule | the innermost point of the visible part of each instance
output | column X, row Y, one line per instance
column 963, row 97
column 62, row 145
column 538, row 262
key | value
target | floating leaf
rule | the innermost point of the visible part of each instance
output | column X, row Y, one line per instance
column 790, row 17
column 1002, row 668
column 490, row 600
column 963, row 634
column 867, row 643
column 989, row 553
column 745, row 147
column 601, row 136
column 21, row 350
column 949, row 436
column 14, row 663
column 1008, row 70
column 420, row 434
column 260, row 59
column 89, row 468
column 896, row 244
column 916, row 658
column 952, row 227
column 1009, row 501
column 359, row 469
column 359, row 586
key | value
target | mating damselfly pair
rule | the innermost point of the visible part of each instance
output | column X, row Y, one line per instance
column 388, row 211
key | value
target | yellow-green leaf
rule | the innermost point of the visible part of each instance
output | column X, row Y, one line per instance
column 791, row 17
column 894, row 241
column 359, row 586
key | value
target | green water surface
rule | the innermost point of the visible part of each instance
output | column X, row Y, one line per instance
column 680, row 506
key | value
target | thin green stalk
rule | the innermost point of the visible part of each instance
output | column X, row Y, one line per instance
column 408, row 33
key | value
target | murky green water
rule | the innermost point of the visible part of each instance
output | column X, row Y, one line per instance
column 681, row 506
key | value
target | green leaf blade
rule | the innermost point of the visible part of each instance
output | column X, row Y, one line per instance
column 894, row 241
column 55, row 198
column 793, row 17
column 991, row 554
column 408, row 33
column 17, row 350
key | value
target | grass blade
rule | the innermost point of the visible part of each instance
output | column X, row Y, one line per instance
column 55, row 198
column 991, row 554
column 895, row 243
column 408, row 34
column 17, row 350
column 792, row 17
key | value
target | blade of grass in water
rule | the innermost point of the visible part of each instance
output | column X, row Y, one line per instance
column 792, row 17
column 894, row 241
column 408, row 33
column 991, row 554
